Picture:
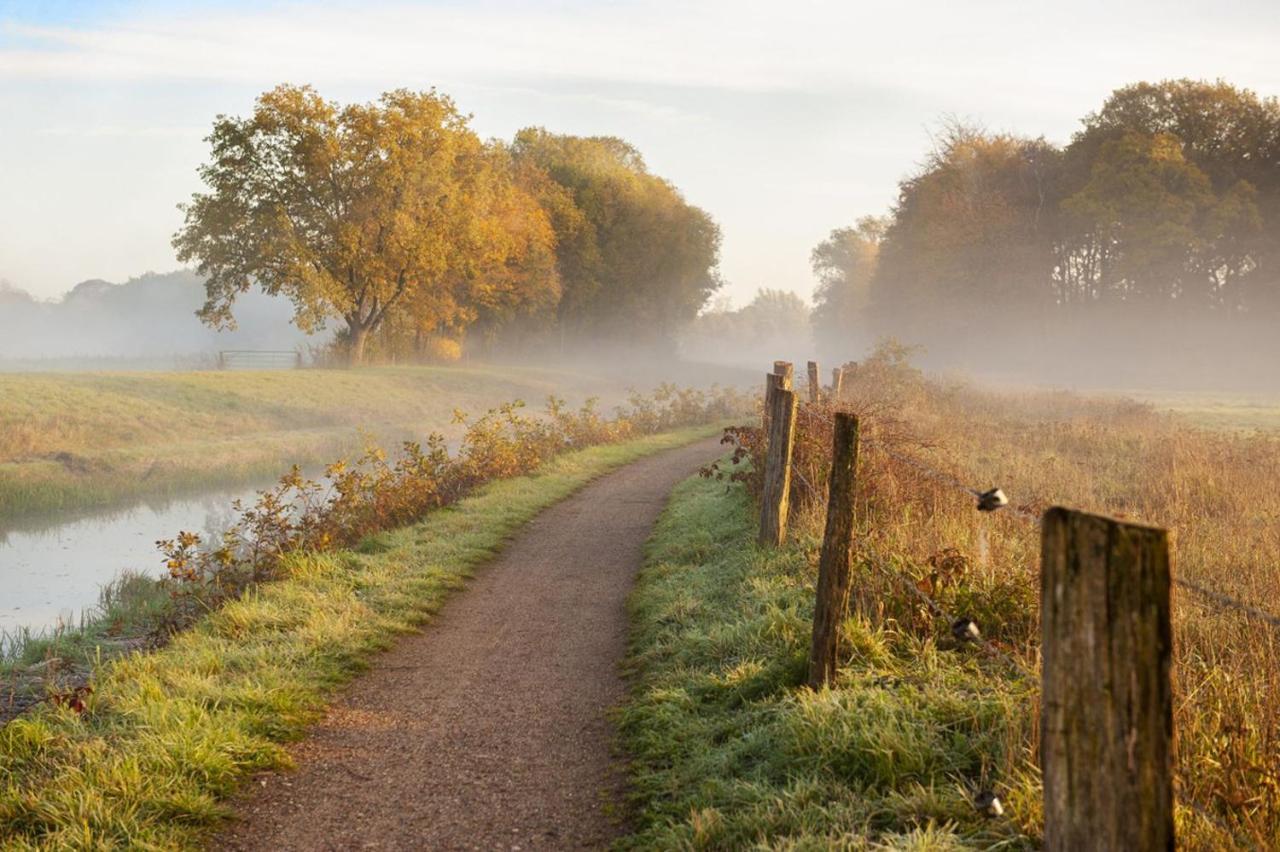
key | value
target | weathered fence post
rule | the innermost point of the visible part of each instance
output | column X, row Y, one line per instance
column 833, row 565
column 1106, row 715
column 776, row 494
column 815, row 386
column 837, row 382
column 779, row 378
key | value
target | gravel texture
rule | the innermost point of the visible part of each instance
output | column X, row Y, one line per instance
column 490, row 729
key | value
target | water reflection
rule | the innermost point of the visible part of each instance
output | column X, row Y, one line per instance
column 52, row 570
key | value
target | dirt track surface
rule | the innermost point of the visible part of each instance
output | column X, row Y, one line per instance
column 489, row 729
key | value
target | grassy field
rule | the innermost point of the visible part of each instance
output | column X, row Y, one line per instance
column 1214, row 487
column 1231, row 411
column 167, row 736
column 730, row 752
column 86, row 439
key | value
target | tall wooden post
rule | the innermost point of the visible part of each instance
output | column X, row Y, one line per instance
column 833, row 564
column 837, row 383
column 1106, row 715
column 776, row 495
column 815, row 386
column 779, row 378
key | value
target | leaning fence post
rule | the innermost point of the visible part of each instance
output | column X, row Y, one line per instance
column 837, row 382
column 833, row 564
column 776, row 493
column 1106, row 715
column 815, row 386
column 779, row 378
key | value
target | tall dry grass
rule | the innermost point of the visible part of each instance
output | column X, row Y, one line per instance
column 1216, row 491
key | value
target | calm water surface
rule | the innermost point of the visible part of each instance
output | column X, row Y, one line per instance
column 51, row 570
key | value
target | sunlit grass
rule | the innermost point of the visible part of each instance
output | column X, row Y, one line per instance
column 168, row 735
column 87, row 439
column 730, row 751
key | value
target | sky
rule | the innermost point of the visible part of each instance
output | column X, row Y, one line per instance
column 784, row 120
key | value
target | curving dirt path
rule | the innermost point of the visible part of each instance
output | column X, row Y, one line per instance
column 489, row 729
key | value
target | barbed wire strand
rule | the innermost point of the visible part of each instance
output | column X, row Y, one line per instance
column 878, row 561
column 1223, row 601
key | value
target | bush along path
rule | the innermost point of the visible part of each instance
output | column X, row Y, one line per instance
column 490, row 730
column 150, row 756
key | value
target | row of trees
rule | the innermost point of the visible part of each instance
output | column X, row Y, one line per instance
column 395, row 218
column 1168, row 196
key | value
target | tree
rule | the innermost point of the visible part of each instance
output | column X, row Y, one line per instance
column 1154, row 218
column 1231, row 138
column 351, row 212
column 969, row 232
column 636, row 260
column 775, row 321
column 845, row 263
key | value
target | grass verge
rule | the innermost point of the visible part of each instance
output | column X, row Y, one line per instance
column 166, row 736
column 730, row 751
column 77, row 440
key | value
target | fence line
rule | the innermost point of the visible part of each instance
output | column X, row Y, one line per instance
column 249, row 359
column 1106, row 717
column 1221, row 600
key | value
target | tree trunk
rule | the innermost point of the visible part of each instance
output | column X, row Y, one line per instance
column 355, row 348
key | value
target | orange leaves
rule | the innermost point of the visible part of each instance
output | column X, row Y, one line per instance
column 355, row 499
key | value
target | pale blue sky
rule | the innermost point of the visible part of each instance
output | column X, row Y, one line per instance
column 784, row 120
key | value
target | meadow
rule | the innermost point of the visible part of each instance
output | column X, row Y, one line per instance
column 74, row 440
column 939, row 724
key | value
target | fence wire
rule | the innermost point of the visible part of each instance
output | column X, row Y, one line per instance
column 1209, row 596
column 880, row 564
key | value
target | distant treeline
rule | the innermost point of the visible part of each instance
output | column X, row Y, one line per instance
column 148, row 321
column 395, row 220
column 1164, row 207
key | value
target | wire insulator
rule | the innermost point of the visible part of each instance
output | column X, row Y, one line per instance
column 988, row 803
column 989, row 501
column 965, row 630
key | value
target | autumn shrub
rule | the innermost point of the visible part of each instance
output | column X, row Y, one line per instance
column 357, row 498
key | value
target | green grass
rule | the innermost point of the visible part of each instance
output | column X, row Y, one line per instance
column 72, row 440
column 168, row 736
column 730, row 751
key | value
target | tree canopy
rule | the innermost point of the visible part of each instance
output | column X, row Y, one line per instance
column 396, row 219
column 1168, row 195
column 636, row 259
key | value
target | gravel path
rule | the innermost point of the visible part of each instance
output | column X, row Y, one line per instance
column 489, row 729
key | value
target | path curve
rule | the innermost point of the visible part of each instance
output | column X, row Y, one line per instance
column 489, row 729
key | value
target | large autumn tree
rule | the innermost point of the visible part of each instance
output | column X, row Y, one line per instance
column 1172, row 189
column 637, row 261
column 354, row 212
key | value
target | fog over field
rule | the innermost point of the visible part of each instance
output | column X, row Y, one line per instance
column 145, row 322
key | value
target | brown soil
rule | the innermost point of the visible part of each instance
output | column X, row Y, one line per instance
column 489, row 730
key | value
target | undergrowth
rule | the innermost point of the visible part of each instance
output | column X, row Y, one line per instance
column 730, row 751
column 918, row 531
column 147, row 758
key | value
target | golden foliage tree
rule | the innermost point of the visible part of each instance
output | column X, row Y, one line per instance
column 364, row 213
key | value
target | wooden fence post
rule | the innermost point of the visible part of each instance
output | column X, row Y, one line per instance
column 815, row 386
column 1106, row 715
column 837, row 382
column 833, row 565
column 779, row 378
column 775, row 497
